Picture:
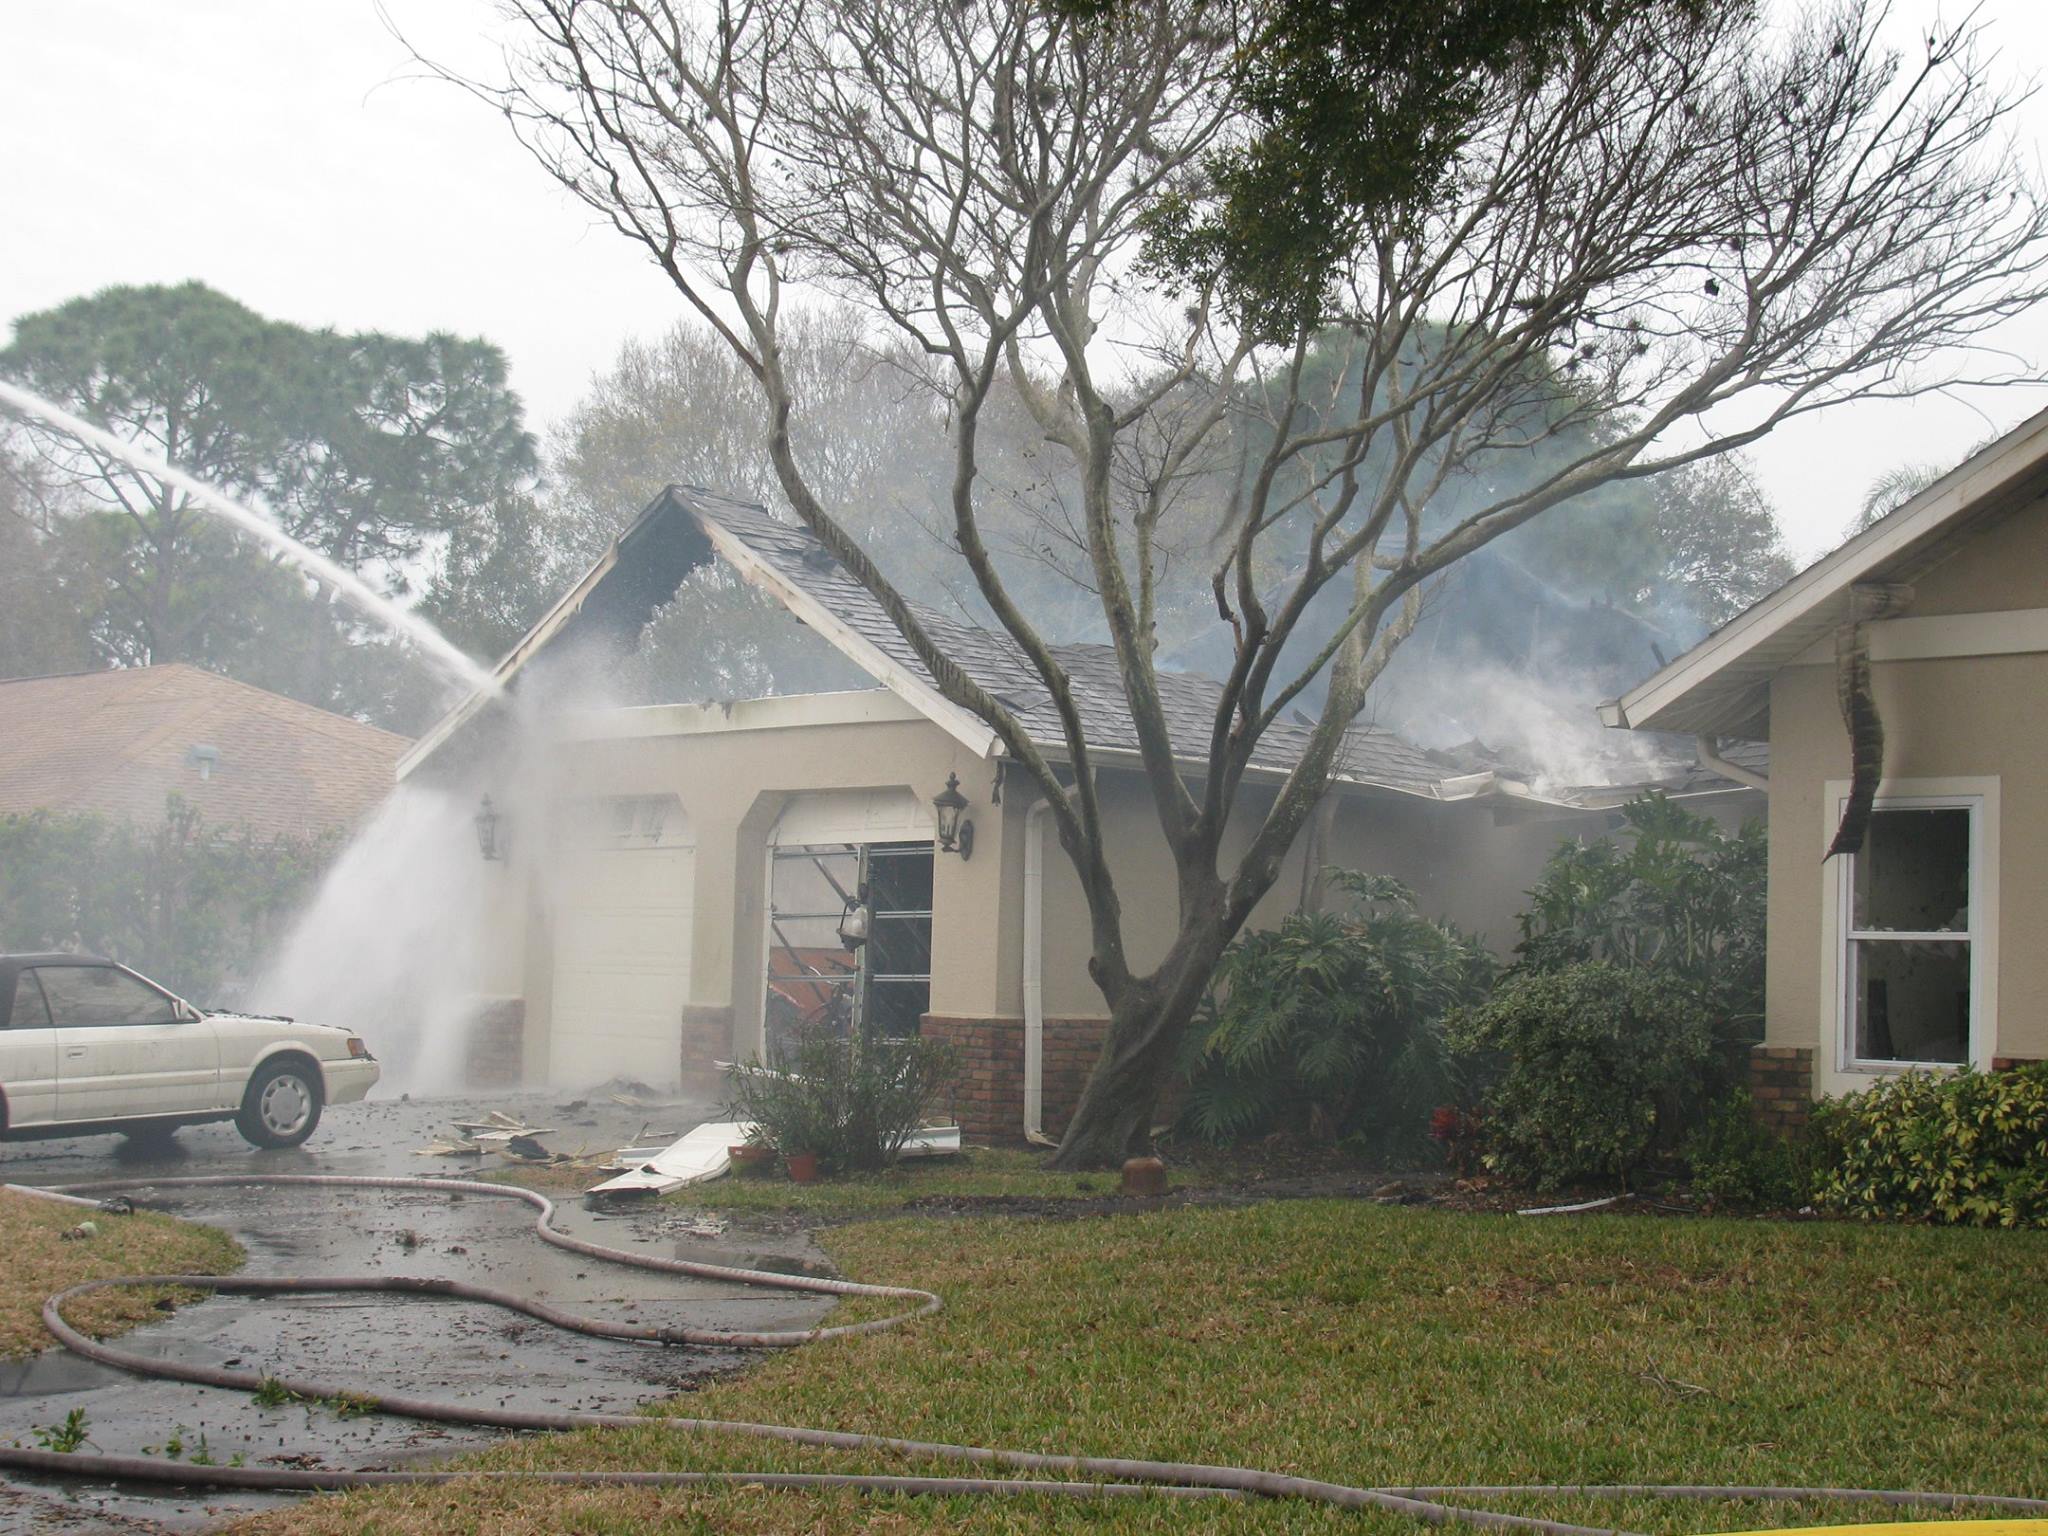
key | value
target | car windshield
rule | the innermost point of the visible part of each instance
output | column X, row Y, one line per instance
column 93, row 996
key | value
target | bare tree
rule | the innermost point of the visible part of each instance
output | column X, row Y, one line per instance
column 1681, row 231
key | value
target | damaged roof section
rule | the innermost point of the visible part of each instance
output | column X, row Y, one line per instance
column 791, row 557
column 687, row 526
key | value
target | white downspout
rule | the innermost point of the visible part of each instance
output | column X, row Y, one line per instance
column 1034, row 975
column 1710, row 757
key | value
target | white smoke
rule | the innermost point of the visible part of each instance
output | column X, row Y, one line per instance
column 392, row 944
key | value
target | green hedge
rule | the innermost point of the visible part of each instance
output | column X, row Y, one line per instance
column 194, row 907
column 1969, row 1148
column 1591, row 1069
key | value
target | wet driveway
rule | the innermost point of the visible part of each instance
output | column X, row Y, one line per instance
column 442, row 1349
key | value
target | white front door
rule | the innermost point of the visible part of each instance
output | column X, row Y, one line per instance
column 622, row 943
column 122, row 1048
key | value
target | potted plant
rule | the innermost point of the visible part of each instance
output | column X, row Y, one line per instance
column 832, row 1102
column 802, row 1166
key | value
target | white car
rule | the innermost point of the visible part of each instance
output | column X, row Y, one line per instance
column 88, row 1046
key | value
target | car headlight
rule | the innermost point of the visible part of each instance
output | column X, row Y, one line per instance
column 357, row 1049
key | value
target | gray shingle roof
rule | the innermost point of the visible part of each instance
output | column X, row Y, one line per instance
column 1371, row 755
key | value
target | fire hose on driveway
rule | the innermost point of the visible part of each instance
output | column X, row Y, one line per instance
column 1058, row 1475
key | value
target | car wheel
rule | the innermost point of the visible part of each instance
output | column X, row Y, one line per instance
column 281, row 1107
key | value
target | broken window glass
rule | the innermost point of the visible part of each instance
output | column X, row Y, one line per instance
column 884, row 987
column 897, row 1007
column 898, row 958
column 1913, row 875
column 1912, row 1000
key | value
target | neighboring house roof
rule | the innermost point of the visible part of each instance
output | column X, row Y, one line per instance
column 119, row 743
column 687, row 525
column 1722, row 685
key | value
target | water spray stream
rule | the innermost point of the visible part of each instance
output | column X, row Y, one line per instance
column 434, row 646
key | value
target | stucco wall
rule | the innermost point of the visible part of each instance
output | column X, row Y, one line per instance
column 1463, row 862
column 734, row 771
column 1948, row 718
column 733, row 783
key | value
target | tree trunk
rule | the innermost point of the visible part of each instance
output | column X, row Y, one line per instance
column 1113, row 1121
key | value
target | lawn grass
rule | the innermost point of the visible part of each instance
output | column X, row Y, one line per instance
column 36, row 1261
column 979, row 1171
column 1367, row 1344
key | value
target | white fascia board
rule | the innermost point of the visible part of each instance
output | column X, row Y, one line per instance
column 1468, row 785
column 1946, row 636
column 510, row 663
column 956, row 722
column 1256, row 773
column 1826, row 579
column 866, row 706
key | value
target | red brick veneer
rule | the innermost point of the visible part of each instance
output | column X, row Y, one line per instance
column 496, row 1049
column 1781, row 1084
column 988, row 1088
column 707, row 1040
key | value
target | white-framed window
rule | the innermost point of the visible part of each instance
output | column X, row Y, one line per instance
column 1913, row 920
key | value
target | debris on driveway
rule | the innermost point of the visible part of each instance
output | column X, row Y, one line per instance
column 497, row 1132
column 705, row 1153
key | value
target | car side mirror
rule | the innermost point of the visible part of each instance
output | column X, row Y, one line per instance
column 187, row 1014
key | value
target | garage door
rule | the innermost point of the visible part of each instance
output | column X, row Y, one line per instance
column 622, row 941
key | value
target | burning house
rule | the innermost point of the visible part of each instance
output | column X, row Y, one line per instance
column 671, row 884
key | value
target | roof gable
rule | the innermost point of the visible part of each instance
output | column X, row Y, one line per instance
column 687, row 525
column 1722, row 685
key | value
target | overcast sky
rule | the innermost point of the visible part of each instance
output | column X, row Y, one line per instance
column 282, row 151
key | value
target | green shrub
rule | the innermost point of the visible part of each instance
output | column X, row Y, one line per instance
column 1328, row 1024
column 1591, row 1068
column 1964, row 1147
column 1679, row 896
column 854, row 1102
column 1735, row 1161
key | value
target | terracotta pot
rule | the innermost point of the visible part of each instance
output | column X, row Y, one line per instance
column 802, row 1166
column 749, row 1155
column 1145, row 1176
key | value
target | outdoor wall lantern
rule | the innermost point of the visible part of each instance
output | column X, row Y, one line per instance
column 853, row 921
column 493, row 836
column 955, row 835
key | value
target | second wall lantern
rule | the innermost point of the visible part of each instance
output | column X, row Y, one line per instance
column 955, row 832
